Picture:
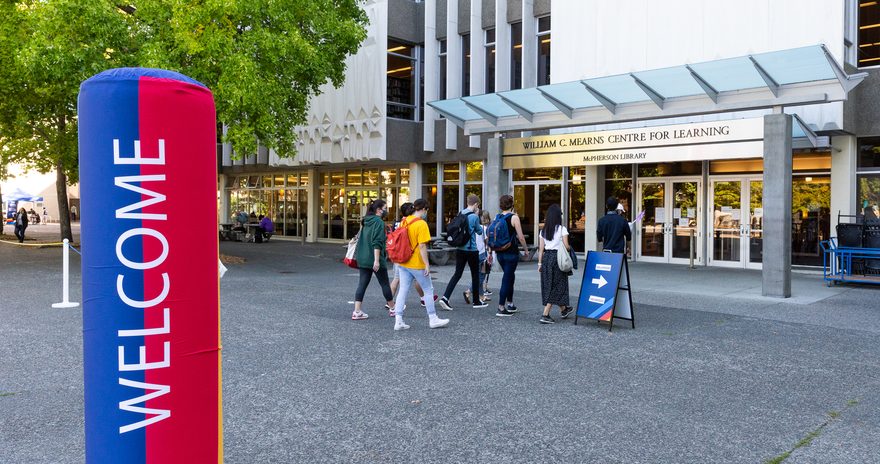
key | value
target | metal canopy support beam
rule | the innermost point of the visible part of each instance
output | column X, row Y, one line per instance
column 651, row 93
column 771, row 83
column 710, row 91
column 847, row 82
column 490, row 117
column 810, row 135
column 457, row 121
column 605, row 101
column 562, row 107
column 519, row 109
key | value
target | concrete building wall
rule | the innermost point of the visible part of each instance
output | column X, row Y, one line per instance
column 440, row 22
column 348, row 124
column 862, row 110
column 407, row 20
column 599, row 37
column 406, row 137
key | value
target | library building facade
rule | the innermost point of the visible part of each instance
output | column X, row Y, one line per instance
column 727, row 131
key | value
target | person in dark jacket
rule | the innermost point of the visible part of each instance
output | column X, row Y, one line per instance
column 21, row 223
column 371, row 257
column 613, row 229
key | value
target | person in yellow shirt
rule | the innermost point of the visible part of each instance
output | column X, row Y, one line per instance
column 417, row 267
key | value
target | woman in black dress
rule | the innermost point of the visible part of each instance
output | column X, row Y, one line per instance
column 554, row 282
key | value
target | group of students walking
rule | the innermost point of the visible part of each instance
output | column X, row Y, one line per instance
column 479, row 242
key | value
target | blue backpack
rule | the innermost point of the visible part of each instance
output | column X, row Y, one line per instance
column 498, row 233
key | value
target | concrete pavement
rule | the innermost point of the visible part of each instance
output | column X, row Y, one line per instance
column 707, row 376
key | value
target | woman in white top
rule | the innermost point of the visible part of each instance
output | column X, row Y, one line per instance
column 554, row 282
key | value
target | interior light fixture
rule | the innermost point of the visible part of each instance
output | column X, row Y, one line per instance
column 408, row 68
column 397, row 49
column 869, row 26
column 866, row 4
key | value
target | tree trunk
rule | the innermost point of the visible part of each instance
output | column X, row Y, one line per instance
column 63, row 206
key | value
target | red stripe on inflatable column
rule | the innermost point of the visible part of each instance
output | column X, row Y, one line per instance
column 183, row 116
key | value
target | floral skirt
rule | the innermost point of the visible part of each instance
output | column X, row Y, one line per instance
column 554, row 283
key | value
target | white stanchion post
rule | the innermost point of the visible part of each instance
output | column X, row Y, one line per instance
column 66, row 303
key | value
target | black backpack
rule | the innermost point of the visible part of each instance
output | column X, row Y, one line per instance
column 458, row 231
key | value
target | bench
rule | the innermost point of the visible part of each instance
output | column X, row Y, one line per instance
column 439, row 253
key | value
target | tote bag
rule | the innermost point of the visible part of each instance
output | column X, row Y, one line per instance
column 351, row 253
column 563, row 259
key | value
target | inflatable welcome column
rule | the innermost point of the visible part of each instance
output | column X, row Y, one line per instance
column 151, row 325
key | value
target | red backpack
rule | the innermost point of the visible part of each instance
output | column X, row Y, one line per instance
column 397, row 244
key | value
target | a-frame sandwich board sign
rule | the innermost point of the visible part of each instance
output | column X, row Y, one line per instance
column 605, row 290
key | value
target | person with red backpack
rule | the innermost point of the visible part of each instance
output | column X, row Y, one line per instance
column 462, row 233
column 407, row 246
column 406, row 209
column 504, row 233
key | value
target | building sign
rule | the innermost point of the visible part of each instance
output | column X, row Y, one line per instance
column 151, row 325
column 738, row 138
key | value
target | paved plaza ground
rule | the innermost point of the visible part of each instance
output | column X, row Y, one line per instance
column 712, row 373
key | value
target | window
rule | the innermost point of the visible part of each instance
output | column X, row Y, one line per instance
column 537, row 174
column 544, row 50
column 429, row 193
column 490, row 61
column 451, row 179
column 442, row 80
column 465, row 65
column 402, row 80
column 684, row 168
column 868, row 178
column 516, row 61
column 618, row 184
column 280, row 196
column 473, row 181
column 810, row 217
column 869, row 34
column 577, row 208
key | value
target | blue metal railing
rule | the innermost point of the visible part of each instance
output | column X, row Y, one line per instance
column 847, row 264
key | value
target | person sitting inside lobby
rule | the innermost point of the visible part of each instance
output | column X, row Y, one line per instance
column 613, row 229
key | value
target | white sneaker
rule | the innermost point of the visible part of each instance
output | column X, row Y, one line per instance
column 399, row 324
column 435, row 322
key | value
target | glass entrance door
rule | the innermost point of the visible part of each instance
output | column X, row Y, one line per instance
column 671, row 221
column 737, row 222
column 652, row 228
column 531, row 202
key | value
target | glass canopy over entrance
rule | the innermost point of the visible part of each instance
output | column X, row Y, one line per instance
column 799, row 76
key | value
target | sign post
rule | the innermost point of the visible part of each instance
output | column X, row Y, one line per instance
column 151, row 303
column 606, row 278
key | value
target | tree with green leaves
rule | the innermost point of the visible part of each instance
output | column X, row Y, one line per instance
column 263, row 59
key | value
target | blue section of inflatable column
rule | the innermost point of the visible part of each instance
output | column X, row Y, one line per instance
column 108, row 112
